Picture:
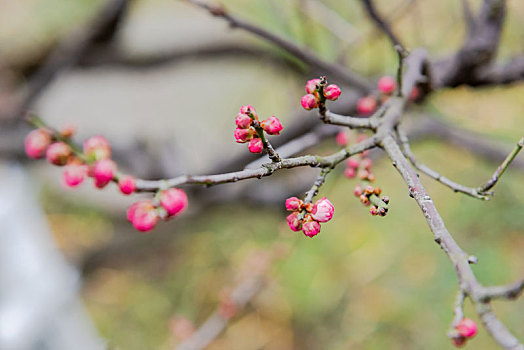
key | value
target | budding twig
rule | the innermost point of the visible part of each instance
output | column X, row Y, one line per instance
column 317, row 184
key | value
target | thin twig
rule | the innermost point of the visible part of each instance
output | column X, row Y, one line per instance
column 380, row 22
column 305, row 55
column 502, row 168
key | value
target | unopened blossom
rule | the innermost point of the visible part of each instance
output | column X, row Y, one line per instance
column 74, row 174
column 97, row 148
column 323, row 210
column 332, row 92
column 127, row 184
column 294, row 203
column 248, row 109
column 387, row 84
column 366, row 105
column 342, row 138
column 255, row 145
column 295, row 224
column 309, row 101
column 244, row 135
column 311, row 228
column 311, row 85
column 143, row 215
column 243, row 121
column 466, row 328
column 272, row 125
column 36, row 143
column 58, row 153
column 174, row 201
column 103, row 172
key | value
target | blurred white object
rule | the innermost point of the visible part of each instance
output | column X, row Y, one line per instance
column 39, row 305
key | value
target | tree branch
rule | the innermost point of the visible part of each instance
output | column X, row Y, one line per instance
column 380, row 22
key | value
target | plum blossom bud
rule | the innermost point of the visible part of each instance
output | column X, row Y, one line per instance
column 358, row 191
column 369, row 190
column 255, row 145
column 127, row 184
column 466, row 328
column 332, row 92
column 350, row 173
column 103, row 172
column 243, row 121
column 352, row 163
column 373, row 210
column 248, row 109
column 311, row 228
column 36, row 143
column 97, row 148
column 174, row 200
column 143, row 215
column 367, row 163
column 293, row 203
column 58, row 153
column 272, row 125
column 323, row 210
column 387, row 84
column 366, row 105
column 67, row 130
column 74, row 174
column 244, row 135
column 342, row 138
column 309, row 101
column 311, row 85
column 293, row 221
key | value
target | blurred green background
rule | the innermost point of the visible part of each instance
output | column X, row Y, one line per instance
column 364, row 282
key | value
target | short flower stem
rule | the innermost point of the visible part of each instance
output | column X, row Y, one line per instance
column 317, row 184
column 273, row 155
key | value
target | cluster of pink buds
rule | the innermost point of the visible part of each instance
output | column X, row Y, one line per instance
column 94, row 160
column 250, row 130
column 465, row 329
column 370, row 196
column 317, row 94
column 308, row 216
column 145, row 213
column 361, row 167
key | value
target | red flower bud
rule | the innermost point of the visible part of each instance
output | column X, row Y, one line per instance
column 294, row 223
column 142, row 215
column 323, row 210
column 248, row 109
column 36, row 143
column 174, row 200
column 97, row 148
column 332, row 92
column 311, row 86
column 293, row 203
column 244, row 135
column 103, row 172
column 271, row 125
column 466, row 328
column 243, row 121
column 352, row 163
column 366, row 105
column 387, row 84
column 58, row 153
column 74, row 174
column 255, row 145
column 311, row 228
column 342, row 138
column 309, row 101
column 350, row 173
column 127, row 184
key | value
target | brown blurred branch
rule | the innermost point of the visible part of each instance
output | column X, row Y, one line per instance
column 68, row 52
column 342, row 73
column 380, row 22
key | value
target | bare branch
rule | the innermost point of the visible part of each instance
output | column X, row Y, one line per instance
column 305, row 55
column 380, row 22
column 511, row 291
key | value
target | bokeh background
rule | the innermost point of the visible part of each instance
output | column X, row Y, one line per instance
column 167, row 103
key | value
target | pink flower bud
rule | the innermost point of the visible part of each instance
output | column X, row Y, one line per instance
column 97, row 148
column 67, row 130
column 294, row 223
column 244, row 135
column 323, row 210
column 127, row 184
column 358, row 191
column 142, row 215
column 342, row 138
column 103, row 172
column 174, row 200
column 366, row 105
column 387, row 84
column 248, row 109
column 332, row 92
column 311, row 86
column 373, row 210
column 58, row 153
column 467, row 328
column 352, row 163
column 311, row 228
column 243, row 121
column 309, row 101
column 293, row 203
column 36, row 143
column 74, row 174
column 272, row 125
column 255, row 146
column 350, row 173
column 367, row 163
